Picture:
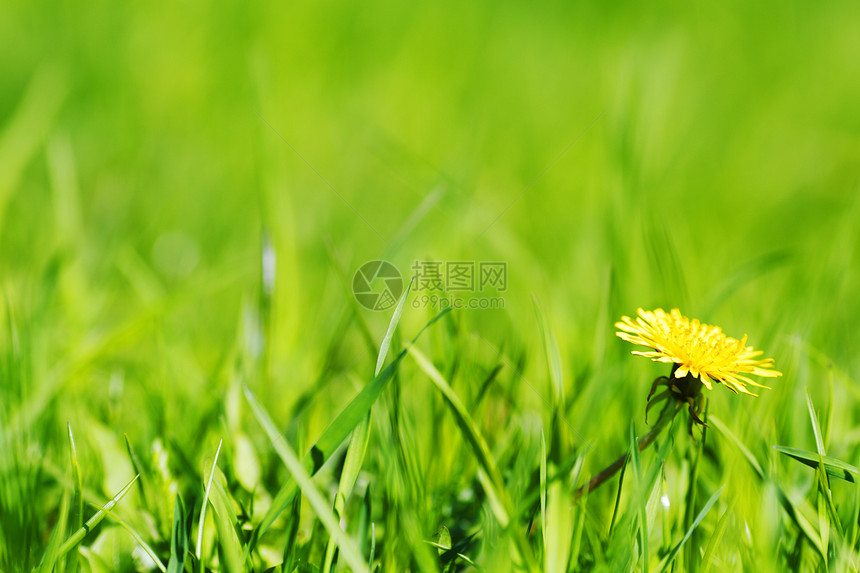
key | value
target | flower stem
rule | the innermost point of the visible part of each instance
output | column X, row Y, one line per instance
column 666, row 416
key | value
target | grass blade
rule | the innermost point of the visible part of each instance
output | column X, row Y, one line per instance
column 334, row 435
column 816, row 427
column 77, row 515
column 54, row 551
column 833, row 466
column 372, row 545
column 232, row 553
column 636, row 466
column 677, row 549
column 179, row 538
column 473, row 437
column 76, row 518
column 788, row 505
column 137, row 467
column 79, row 535
column 617, row 504
column 351, row 467
column 392, row 326
column 621, row 546
column 559, row 528
column 291, row 545
column 826, row 509
column 552, row 356
column 715, row 540
column 303, row 479
column 543, row 488
column 738, row 444
column 139, row 540
column 491, row 479
column 361, row 435
column 199, row 551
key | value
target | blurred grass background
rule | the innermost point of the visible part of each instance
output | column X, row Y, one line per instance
column 613, row 155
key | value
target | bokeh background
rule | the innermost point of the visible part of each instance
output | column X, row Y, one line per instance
column 614, row 155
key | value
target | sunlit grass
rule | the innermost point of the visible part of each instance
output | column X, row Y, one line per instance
column 187, row 190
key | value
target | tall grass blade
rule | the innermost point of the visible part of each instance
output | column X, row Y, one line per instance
column 472, row 436
column 76, row 517
column 372, row 555
column 617, row 504
column 488, row 474
column 79, row 535
column 833, row 466
column 717, row 423
column 355, row 454
column 552, row 356
column 716, row 538
column 392, row 326
column 622, row 542
column 291, row 545
column 139, row 540
column 54, row 552
column 816, row 427
column 827, row 513
column 559, row 528
column 543, row 489
column 640, row 497
column 334, row 435
column 178, row 539
column 674, row 553
column 303, row 479
column 145, row 480
column 207, row 491
column 790, row 507
column 232, row 554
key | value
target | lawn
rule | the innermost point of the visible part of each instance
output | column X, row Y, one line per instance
column 319, row 287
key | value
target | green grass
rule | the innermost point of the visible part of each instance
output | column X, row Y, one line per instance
column 156, row 161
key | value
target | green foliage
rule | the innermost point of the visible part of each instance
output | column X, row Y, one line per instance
column 187, row 189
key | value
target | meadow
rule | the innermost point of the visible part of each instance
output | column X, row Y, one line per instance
column 191, row 378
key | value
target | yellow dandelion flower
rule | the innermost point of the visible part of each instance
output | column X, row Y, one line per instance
column 697, row 349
